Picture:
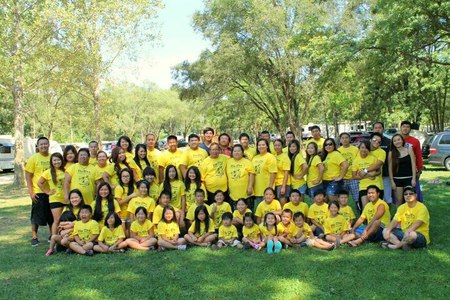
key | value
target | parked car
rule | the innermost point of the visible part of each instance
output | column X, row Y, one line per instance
column 440, row 150
column 357, row 136
column 426, row 146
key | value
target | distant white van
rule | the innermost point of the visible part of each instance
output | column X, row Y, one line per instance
column 7, row 150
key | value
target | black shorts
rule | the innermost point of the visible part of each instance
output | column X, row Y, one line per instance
column 40, row 211
column 402, row 182
column 56, row 205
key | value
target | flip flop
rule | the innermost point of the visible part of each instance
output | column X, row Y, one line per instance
column 384, row 245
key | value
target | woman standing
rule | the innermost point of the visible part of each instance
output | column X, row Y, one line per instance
column 265, row 166
column 335, row 169
column 240, row 175
column 402, row 167
column 298, row 167
column 213, row 173
column 283, row 177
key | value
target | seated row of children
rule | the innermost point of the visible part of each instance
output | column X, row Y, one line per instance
column 270, row 226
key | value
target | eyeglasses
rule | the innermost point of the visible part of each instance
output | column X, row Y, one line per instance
column 376, row 141
column 328, row 144
column 408, row 193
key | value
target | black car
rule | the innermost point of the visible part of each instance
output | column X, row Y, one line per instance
column 426, row 146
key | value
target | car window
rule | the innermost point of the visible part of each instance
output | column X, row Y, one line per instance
column 445, row 139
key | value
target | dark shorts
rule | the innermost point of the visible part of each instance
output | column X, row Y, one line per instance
column 40, row 211
column 56, row 205
column 378, row 236
column 402, row 182
column 420, row 242
column 318, row 231
column 332, row 187
column 278, row 192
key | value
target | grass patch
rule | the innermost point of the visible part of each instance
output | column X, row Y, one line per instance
column 365, row 272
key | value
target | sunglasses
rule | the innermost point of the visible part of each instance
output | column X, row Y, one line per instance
column 328, row 144
column 376, row 141
column 408, row 193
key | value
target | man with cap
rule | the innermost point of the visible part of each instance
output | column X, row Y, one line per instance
column 414, row 221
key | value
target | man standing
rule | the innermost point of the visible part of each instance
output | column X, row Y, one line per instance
column 172, row 156
column 244, row 140
column 208, row 134
column 153, row 153
column 386, row 146
column 40, row 207
column 414, row 221
column 316, row 137
column 290, row 136
column 193, row 156
column 412, row 142
column 93, row 150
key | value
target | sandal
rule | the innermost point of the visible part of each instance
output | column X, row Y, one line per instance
column 384, row 245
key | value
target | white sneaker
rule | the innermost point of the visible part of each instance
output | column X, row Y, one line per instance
column 181, row 247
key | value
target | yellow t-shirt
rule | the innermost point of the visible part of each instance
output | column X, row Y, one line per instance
column 318, row 142
column 85, row 231
column 347, row 213
column 281, row 228
column 237, row 214
column 380, row 154
column 298, row 167
column 36, row 165
column 190, row 195
column 213, row 173
column 360, row 163
column 264, row 208
column 266, row 232
column 153, row 158
column 104, row 205
column 136, row 202
column 349, row 154
column 177, row 192
column 154, row 190
column 336, row 225
column 228, row 232
column 318, row 212
column 169, row 230
column 157, row 214
column 172, row 158
column 58, row 196
column 83, row 178
column 202, row 228
column 101, row 170
column 121, row 192
column 110, row 237
column 283, row 165
column 221, row 209
column 141, row 230
column 406, row 216
column 264, row 165
column 252, row 233
column 92, row 161
column 191, row 212
column 304, row 230
column 370, row 210
column 301, row 207
column 238, row 174
column 313, row 171
column 250, row 152
column 193, row 157
column 332, row 165
column 141, row 169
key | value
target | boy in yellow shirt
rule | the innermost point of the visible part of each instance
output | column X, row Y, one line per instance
column 345, row 210
column 318, row 213
column 85, row 232
column 296, row 203
column 228, row 235
column 286, row 230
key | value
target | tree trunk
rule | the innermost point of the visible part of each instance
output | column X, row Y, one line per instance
column 17, row 94
column 98, row 133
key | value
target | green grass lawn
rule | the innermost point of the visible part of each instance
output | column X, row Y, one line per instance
column 367, row 272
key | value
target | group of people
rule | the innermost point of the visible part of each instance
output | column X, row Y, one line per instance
column 217, row 195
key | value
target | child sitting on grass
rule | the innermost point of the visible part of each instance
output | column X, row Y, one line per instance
column 251, row 233
column 305, row 236
column 201, row 232
column 286, row 230
column 169, row 231
column 269, row 233
column 199, row 200
column 337, row 229
column 111, row 238
column 228, row 235
column 85, row 232
column 296, row 203
column 65, row 229
column 238, row 215
column 345, row 210
column 142, row 233
column 270, row 204
column 318, row 213
column 219, row 208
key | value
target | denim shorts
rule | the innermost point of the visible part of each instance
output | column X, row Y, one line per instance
column 312, row 190
column 420, row 242
column 278, row 192
column 332, row 187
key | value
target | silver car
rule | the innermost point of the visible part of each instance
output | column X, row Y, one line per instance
column 440, row 150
